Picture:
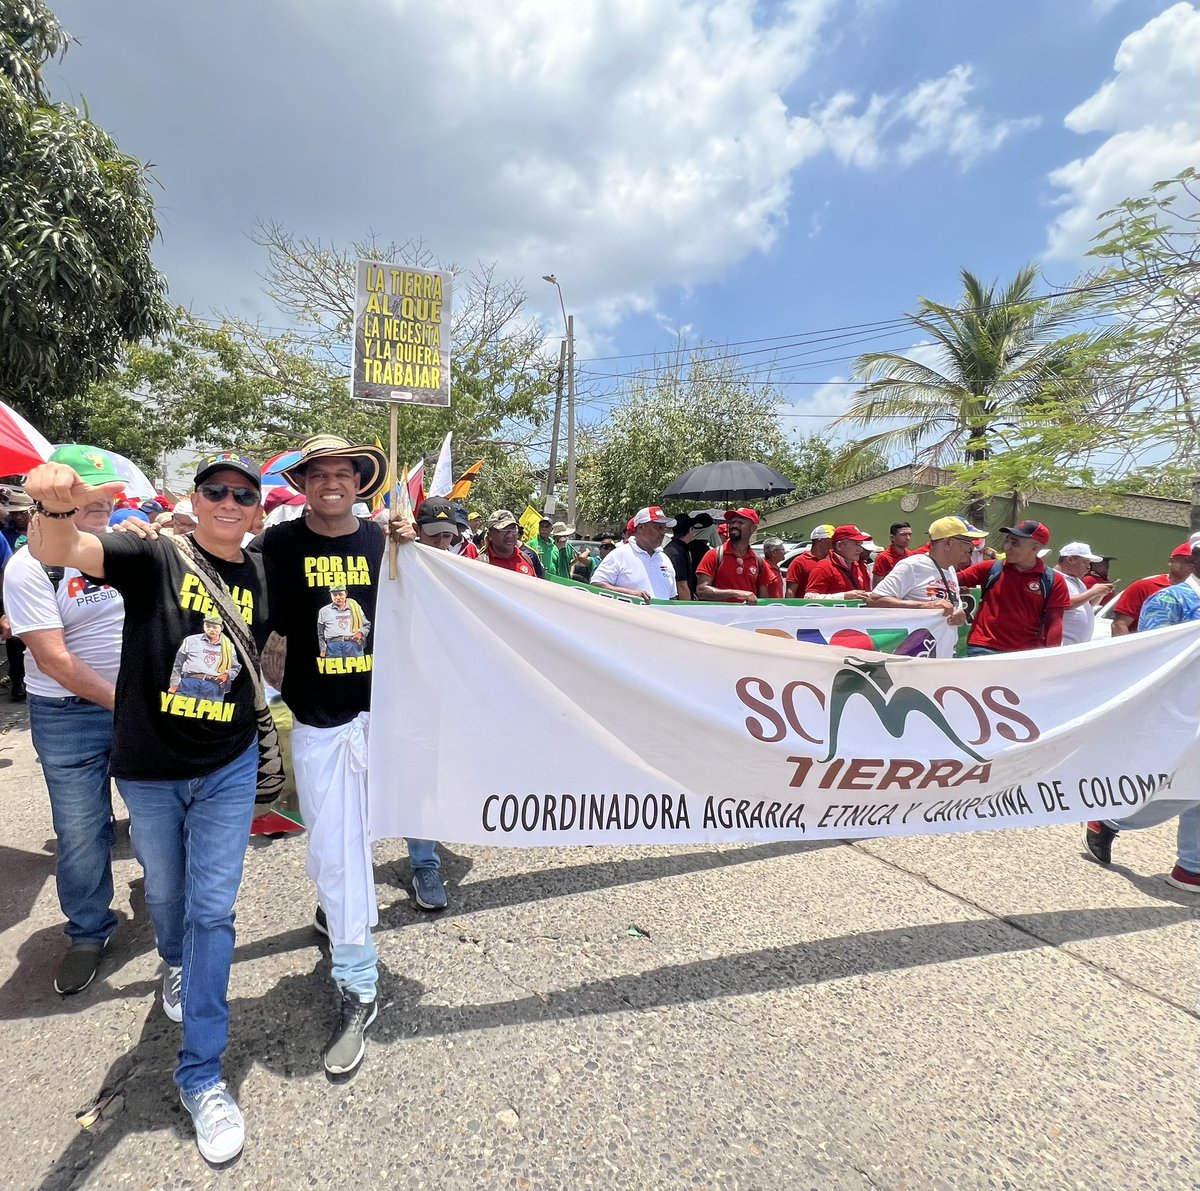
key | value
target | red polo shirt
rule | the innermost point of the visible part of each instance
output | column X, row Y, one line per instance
column 736, row 572
column 772, row 580
column 886, row 560
column 515, row 562
column 1136, row 594
column 1010, row 613
column 800, row 571
column 830, row 576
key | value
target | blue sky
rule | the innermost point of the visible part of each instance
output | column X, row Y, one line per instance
column 731, row 170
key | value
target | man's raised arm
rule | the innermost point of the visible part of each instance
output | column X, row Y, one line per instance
column 53, row 538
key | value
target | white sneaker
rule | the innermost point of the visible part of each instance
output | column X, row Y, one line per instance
column 172, row 990
column 220, row 1130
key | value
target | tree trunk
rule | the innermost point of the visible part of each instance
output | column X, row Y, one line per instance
column 1195, row 504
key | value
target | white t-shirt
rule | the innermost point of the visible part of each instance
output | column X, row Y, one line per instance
column 90, row 616
column 630, row 566
column 917, row 577
column 1078, row 623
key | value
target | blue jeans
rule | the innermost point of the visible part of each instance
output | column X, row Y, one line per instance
column 190, row 836
column 73, row 739
column 201, row 688
column 422, row 853
column 1159, row 811
column 343, row 649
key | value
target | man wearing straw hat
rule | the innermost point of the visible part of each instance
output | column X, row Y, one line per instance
column 322, row 576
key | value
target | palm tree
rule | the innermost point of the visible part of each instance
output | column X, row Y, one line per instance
column 1000, row 356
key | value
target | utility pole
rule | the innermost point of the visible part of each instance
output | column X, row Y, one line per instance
column 569, row 321
column 548, row 502
column 571, row 419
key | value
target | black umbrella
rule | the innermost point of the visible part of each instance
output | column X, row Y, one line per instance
column 731, row 479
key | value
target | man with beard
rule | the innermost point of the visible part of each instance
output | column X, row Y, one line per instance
column 730, row 573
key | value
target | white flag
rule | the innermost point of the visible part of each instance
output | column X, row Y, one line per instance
column 443, row 474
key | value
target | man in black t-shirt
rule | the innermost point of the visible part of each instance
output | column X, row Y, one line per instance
column 187, row 755
column 322, row 572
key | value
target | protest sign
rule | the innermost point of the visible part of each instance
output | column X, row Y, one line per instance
column 401, row 334
column 657, row 729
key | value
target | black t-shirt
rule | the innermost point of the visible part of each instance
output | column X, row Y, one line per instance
column 184, row 701
column 681, row 559
column 322, row 593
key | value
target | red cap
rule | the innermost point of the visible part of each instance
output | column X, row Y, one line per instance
column 748, row 514
column 850, row 533
column 1184, row 551
column 630, row 526
column 1034, row 530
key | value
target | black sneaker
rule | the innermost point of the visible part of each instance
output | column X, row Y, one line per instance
column 1098, row 841
column 320, row 922
column 429, row 890
column 78, row 967
column 345, row 1050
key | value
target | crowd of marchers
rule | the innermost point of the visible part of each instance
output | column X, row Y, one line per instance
column 139, row 649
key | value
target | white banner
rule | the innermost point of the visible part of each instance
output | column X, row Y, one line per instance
column 508, row 711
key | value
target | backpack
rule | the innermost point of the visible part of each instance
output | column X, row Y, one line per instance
column 1047, row 585
column 54, row 574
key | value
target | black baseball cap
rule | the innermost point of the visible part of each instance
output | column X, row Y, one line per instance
column 229, row 461
column 437, row 511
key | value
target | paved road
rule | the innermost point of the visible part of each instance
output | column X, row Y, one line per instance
column 979, row 1011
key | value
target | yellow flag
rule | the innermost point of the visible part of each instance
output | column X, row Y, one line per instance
column 530, row 520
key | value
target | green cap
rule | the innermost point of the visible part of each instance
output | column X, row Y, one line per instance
column 91, row 464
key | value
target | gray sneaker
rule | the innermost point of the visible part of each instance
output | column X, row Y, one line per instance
column 220, row 1130
column 346, row 1048
column 172, row 992
column 428, row 889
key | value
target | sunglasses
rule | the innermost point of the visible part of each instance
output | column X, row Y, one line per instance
column 246, row 497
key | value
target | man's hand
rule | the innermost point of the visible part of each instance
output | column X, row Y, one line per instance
column 856, row 594
column 146, row 530
column 5, row 627
column 59, row 489
column 748, row 597
column 399, row 530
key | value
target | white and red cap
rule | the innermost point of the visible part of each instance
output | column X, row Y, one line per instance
column 652, row 516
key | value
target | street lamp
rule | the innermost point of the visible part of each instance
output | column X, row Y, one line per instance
column 569, row 323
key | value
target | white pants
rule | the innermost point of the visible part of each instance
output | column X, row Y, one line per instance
column 331, row 780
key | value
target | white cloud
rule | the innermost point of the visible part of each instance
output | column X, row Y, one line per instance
column 1150, row 110
column 936, row 116
column 942, row 120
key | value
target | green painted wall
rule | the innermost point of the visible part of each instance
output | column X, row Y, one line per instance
column 1141, row 547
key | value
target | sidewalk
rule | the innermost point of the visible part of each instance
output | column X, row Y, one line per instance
column 960, row 1012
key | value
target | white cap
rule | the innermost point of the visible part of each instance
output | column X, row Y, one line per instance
column 820, row 532
column 184, row 509
column 653, row 516
column 1078, row 550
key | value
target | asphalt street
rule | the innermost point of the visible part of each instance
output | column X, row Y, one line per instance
column 976, row 1011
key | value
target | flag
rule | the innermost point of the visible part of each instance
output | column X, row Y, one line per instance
column 530, row 520
column 462, row 489
column 416, row 485
column 443, row 473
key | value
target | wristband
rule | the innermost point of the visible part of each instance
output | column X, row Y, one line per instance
column 42, row 511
